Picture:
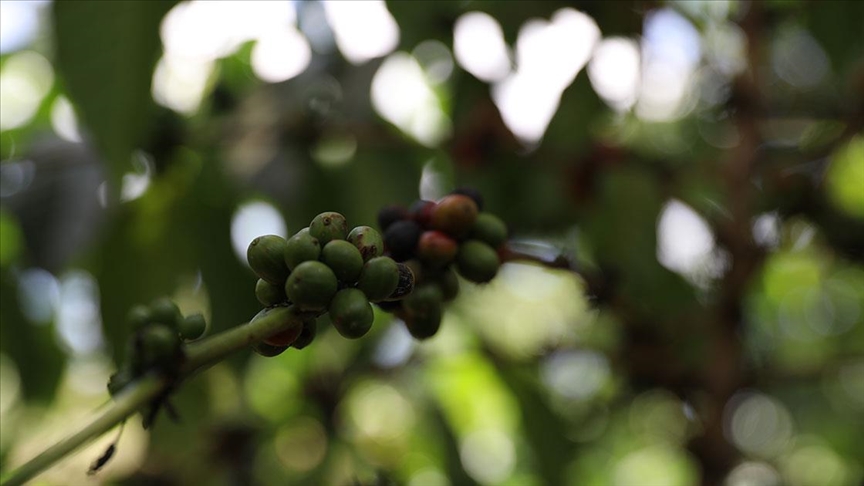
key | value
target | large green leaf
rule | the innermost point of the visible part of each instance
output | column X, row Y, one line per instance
column 106, row 52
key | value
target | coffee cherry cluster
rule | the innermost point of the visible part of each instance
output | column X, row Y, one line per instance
column 436, row 240
column 156, row 344
column 325, row 268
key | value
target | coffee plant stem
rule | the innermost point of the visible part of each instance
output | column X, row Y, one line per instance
column 137, row 395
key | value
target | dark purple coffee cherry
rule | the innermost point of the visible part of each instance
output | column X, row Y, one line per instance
column 406, row 283
column 391, row 214
column 400, row 239
column 266, row 257
column 421, row 212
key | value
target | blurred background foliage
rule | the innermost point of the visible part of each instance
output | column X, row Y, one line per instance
column 699, row 162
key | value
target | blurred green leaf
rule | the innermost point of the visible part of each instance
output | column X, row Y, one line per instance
column 106, row 52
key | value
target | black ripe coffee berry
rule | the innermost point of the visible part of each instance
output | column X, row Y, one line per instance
column 391, row 214
column 401, row 238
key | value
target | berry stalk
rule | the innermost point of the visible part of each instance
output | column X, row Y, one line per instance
column 137, row 395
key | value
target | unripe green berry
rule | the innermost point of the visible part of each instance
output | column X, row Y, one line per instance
column 368, row 241
column 266, row 257
column 157, row 346
column 424, row 325
column 455, row 215
column 269, row 294
column 269, row 350
column 351, row 313
column 379, row 278
column 328, row 226
column 423, row 299
column 307, row 335
column 164, row 311
column 139, row 316
column 344, row 259
column 192, row 327
column 311, row 286
column 477, row 261
column 448, row 282
column 302, row 247
column 489, row 229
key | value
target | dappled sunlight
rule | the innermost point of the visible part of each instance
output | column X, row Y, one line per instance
column 549, row 55
column 479, row 47
column 25, row 80
column 671, row 51
column 401, row 95
column 364, row 29
column 685, row 243
column 64, row 121
column 614, row 72
column 526, row 309
column 758, row 424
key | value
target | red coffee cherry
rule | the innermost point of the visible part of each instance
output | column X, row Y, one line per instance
column 436, row 249
column 455, row 215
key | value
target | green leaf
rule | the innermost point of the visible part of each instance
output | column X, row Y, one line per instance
column 106, row 52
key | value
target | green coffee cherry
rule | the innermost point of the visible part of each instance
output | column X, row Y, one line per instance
column 489, row 229
column 307, row 335
column 379, row 278
column 344, row 259
column 425, row 325
column 311, row 286
column 192, row 327
column 368, row 241
column 139, row 316
column 351, row 313
column 268, row 350
column 328, row 226
column 156, row 346
column 269, row 294
column 477, row 261
column 423, row 299
column 266, row 256
column 301, row 247
column 448, row 282
column 164, row 311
